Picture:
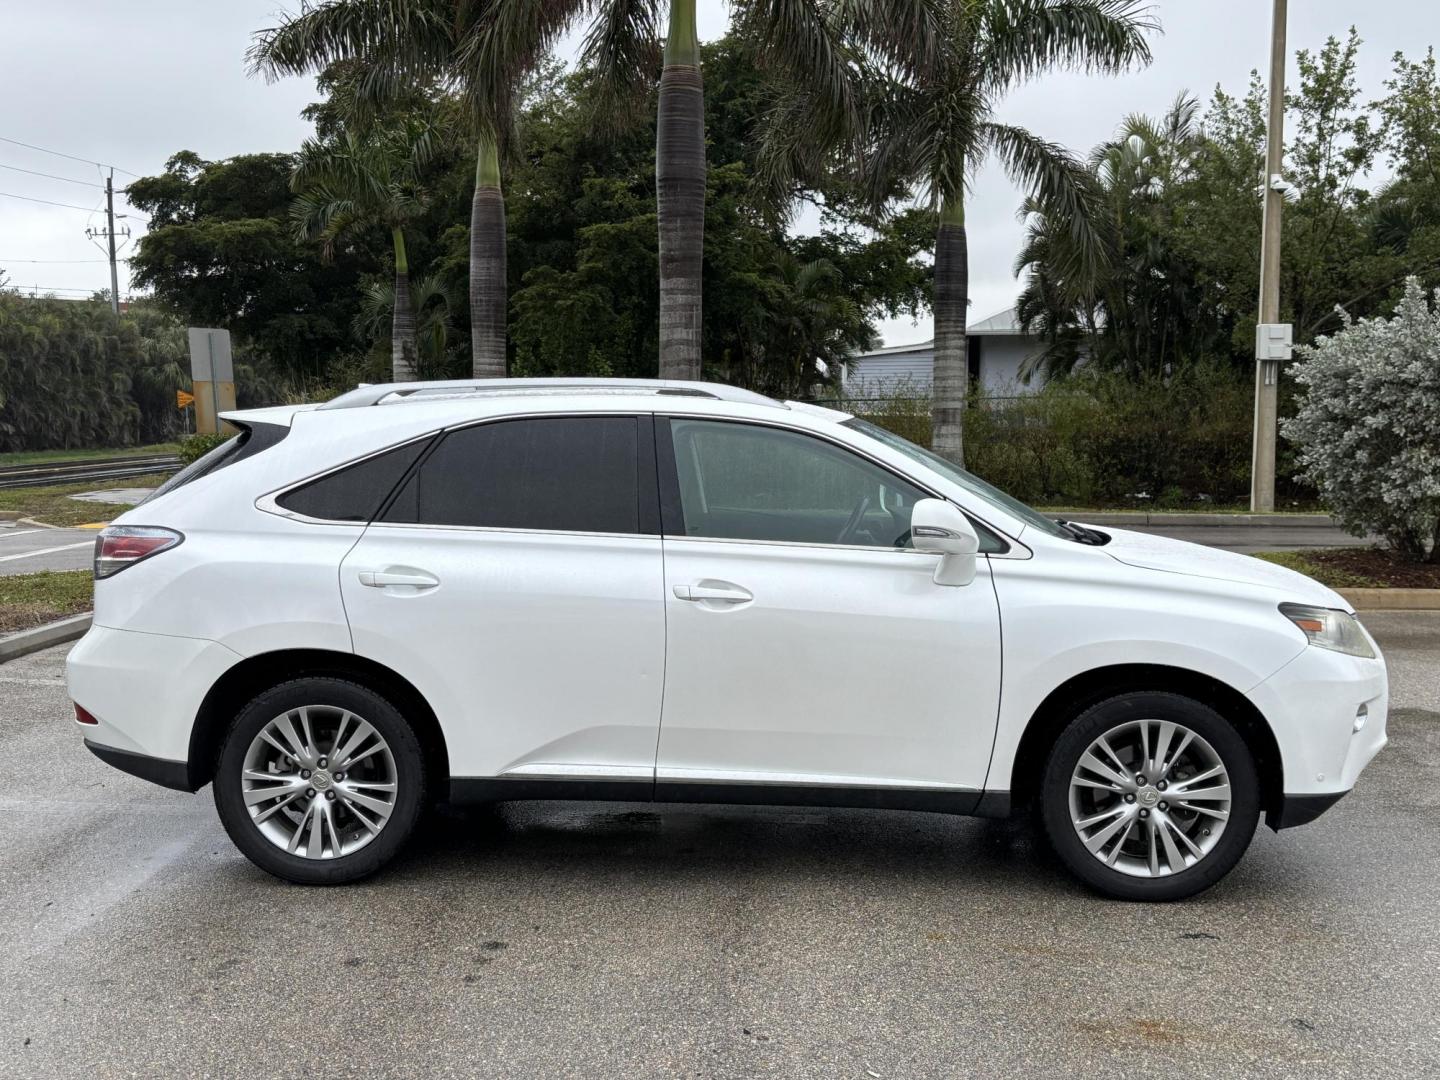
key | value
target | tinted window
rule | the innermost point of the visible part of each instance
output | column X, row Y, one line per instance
column 356, row 492
column 747, row 482
column 575, row 474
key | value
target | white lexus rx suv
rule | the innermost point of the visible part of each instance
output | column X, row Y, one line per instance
column 686, row 592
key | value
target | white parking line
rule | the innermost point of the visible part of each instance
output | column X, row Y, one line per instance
column 6, row 534
column 47, row 551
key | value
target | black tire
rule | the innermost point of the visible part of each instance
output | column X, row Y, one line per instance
column 334, row 693
column 1097, row 720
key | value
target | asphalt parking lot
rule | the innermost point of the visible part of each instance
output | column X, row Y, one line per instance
column 582, row 939
column 25, row 549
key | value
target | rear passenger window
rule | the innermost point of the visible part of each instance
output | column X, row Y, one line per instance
column 356, row 492
column 571, row 474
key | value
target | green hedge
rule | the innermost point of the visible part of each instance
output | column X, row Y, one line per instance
column 194, row 447
column 1102, row 440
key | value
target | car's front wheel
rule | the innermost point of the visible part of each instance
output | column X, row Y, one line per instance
column 319, row 781
column 1150, row 796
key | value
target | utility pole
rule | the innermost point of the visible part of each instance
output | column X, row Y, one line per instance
column 1272, row 340
column 109, row 233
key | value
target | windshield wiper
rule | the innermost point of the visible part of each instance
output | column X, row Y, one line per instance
column 1082, row 534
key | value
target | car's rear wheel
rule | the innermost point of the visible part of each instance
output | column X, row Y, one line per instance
column 320, row 781
column 1150, row 796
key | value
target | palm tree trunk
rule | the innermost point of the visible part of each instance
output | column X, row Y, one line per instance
column 680, row 190
column 402, row 325
column 487, row 266
column 952, row 288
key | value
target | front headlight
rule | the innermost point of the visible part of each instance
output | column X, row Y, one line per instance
column 1330, row 629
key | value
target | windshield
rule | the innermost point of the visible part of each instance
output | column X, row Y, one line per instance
column 969, row 481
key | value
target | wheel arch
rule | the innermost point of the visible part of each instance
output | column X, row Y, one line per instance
column 256, row 674
column 1079, row 692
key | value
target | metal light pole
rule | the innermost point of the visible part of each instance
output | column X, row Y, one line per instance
column 1272, row 340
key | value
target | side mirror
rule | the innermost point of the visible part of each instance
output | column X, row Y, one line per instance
column 937, row 526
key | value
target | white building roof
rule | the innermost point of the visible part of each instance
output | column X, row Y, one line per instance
column 1002, row 322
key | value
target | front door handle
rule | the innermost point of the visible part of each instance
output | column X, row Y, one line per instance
column 383, row 579
column 727, row 594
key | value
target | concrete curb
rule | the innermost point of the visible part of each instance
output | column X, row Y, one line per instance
column 42, row 637
column 1392, row 599
column 1122, row 518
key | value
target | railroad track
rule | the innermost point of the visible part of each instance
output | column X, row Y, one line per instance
column 77, row 472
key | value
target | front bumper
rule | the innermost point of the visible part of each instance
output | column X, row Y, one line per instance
column 145, row 691
column 1301, row 809
column 1313, row 705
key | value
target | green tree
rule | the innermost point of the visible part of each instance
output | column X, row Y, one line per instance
column 70, row 378
column 219, row 251
column 584, row 232
column 1180, row 218
column 357, row 183
column 400, row 45
column 1140, row 308
column 915, row 104
column 621, row 51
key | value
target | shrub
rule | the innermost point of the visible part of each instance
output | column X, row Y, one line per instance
column 1368, row 427
column 194, row 447
column 1103, row 438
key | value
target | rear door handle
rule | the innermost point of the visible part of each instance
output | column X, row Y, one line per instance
column 383, row 579
column 730, row 594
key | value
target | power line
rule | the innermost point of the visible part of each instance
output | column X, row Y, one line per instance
column 71, row 206
column 51, row 261
column 72, row 157
column 52, row 176
column 48, row 202
column 28, row 287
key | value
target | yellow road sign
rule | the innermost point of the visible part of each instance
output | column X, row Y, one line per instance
column 183, row 399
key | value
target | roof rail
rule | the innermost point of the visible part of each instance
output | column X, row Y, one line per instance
column 463, row 389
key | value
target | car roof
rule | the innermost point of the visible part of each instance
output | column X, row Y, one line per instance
column 404, row 393
column 442, row 403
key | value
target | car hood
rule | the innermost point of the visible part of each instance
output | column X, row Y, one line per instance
column 1151, row 552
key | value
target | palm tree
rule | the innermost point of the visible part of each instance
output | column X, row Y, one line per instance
column 430, row 301
column 401, row 45
column 358, row 183
column 924, row 78
column 620, row 50
column 1140, row 308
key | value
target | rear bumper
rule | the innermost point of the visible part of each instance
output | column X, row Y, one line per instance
column 171, row 774
column 144, row 691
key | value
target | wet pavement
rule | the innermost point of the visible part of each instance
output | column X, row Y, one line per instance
column 633, row 940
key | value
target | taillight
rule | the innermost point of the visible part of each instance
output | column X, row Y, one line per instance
column 82, row 715
column 119, row 546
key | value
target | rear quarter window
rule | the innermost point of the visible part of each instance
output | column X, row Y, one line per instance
column 354, row 492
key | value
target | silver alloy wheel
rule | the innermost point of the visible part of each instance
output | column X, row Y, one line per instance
column 1150, row 798
column 319, row 782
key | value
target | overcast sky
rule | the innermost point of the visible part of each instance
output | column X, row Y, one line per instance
column 130, row 83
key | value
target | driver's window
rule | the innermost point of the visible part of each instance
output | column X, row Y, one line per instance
column 750, row 482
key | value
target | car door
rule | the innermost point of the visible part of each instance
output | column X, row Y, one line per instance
column 807, row 646
column 515, row 579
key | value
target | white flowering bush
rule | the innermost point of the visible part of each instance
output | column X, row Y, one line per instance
column 1368, row 429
